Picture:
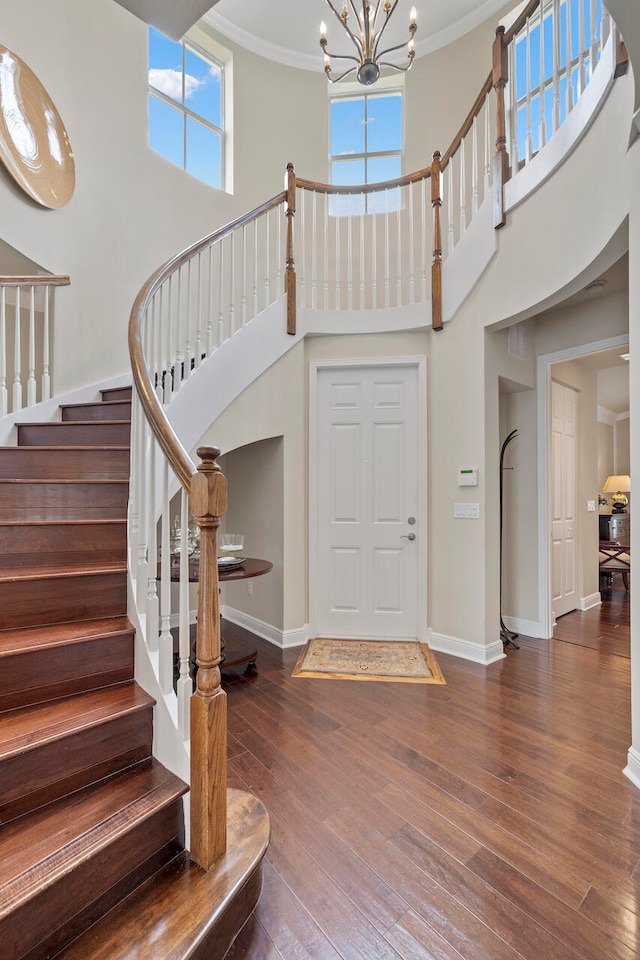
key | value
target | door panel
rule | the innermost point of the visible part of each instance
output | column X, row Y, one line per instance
column 564, row 417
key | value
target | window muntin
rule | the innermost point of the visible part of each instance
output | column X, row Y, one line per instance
column 186, row 117
column 366, row 138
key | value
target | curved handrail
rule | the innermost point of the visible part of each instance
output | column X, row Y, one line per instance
column 178, row 457
column 403, row 181
column 518, row 24
column 35, row 281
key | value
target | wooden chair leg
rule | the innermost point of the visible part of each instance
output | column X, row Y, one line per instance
column 625, row 580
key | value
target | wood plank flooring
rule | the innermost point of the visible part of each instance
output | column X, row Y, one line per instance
column 483, row 820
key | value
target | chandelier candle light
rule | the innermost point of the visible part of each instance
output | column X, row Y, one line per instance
column 366, row 37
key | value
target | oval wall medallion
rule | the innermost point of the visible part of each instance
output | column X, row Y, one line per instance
column 34, row 146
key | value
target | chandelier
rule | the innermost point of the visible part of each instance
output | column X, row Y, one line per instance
column 370, row 24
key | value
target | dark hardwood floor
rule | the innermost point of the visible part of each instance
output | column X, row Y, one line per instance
column 486, row 820
column 605, row 627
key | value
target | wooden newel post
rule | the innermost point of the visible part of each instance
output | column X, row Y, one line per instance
column 208, row 703
column 436, row 266
column 499, row 77
column 290, row 211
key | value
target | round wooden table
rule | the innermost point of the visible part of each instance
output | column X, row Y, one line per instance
column 234, row 653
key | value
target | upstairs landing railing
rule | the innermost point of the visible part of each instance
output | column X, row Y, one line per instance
column 370, row 247
column 26, row 309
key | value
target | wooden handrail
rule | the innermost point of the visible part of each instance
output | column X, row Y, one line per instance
column 408, row 178
column 468, row 123
column 518, row 24
column 177, row 456
column 36, row 281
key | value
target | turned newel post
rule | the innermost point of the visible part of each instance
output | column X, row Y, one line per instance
column 208, row 704
column 290, row 211
column 436, row 267
column 499, row 77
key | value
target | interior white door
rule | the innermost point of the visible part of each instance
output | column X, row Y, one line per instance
column 368, row 528
column 564, row 418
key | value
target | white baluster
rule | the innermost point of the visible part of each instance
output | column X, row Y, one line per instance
column 302, row 202
column 350, row 254
column 556, row 64
column 463, row 189
column 211, row 334
column 488, row 168
column 362, row 257
column 221, row 336
column 474, row 167
column 581, row 48
column 189, row 358
column 140, row 467
column 412, row 292
column 243, row 295
column 593, row 43
column 184, row 686
column 46, row 334
column 450, row 230
column 605, row 28
column 281, row 257
column 542, row 137
column 374, row 254
column 255, row 268
column 152, row 602
column 178, row 366
column 423, row 234
column 232, row 284
column 386, row 247
column 568, row 32
column 165, row 640
column 314, row 252
column 198, row 344
column 399, row 271
column 166, row 326
column 528, row 142
column 31, row 379
column 337, row 221
column 267, row 260
column 17, row 358
column 512, row 116
column 4, row 393
column 325, row 300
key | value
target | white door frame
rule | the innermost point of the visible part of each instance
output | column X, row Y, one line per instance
column 315, row 366
column 543, row 381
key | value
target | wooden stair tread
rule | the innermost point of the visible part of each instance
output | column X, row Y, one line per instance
column 71, row 423
column 28, row 728
column 60, row 571
column 27, row 639
column 41, row 847
column 183, row 912
column 62, row 522
column 69, row 447
column 93, row 403
column 65, row 481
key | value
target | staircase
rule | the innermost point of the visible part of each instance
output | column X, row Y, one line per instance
column 86, row 812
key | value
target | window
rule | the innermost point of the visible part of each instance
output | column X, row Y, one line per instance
column 186, row 97
column 366, row 146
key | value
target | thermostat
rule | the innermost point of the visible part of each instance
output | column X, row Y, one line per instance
column 467, row 476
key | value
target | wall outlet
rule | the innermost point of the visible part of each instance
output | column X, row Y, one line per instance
column 591, row 506
column 250, row 588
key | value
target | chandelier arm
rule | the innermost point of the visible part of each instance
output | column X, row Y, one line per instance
column 400, row 46
column 342, row 56
column 382, row 29
column 360, row 24
column 342, row 75
column 395, row 66
column 375, row 20
column 346, row 27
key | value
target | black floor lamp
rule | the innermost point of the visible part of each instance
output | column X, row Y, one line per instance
column 507, row 636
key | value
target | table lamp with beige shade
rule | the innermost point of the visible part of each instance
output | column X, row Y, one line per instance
column 618, row 486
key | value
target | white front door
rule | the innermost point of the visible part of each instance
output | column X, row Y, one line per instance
column 368, row 534
column 564, row 418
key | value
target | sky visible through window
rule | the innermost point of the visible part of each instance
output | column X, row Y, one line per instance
column 185, row 107
column 534, row 46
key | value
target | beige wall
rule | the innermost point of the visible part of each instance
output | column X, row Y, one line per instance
column 605, row 452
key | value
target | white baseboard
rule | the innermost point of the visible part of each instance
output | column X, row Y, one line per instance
column 465, row 649
column 528, row 628
column 632, row 769
column 280, row 638
column 587, row 603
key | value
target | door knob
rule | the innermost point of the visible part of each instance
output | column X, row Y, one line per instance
column 408, row 536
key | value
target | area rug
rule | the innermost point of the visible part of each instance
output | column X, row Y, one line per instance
column 405, row 661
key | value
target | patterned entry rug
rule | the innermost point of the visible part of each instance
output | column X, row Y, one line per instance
column 405, row 661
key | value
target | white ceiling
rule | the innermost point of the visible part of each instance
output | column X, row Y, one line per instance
column 288, row 31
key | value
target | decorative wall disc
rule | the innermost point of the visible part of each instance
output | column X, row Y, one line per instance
column 34, row 145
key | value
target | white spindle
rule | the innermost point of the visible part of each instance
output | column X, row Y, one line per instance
column 512, row 114
column 362, row 256
column 198, row 344
column 232, row 284
column 423, row 235
column 280, row 257
column 451, row 235
column 581, row 48
column 605, row 28
column 211, row 336
column 556, row 64
column 267, row 258
column 189, row 359
column 314, row 252
column 325, row 299
column 487, row 148
column 350, row 254
column 528, row 142
column 178, row 366
column 152, row 602
column 255, row 269
column 243, row 285
column 474, row 167
column 412, row 292
column 569, row 90
column 374, row 255
column 386, row 247
column 542, row 136
column 142, row 508
column 221, row 336
column 184, row 686
column 17, row 359
column 463, row 189
column 31, row 378
column 4, row 394
column 165, row 645
column 593, row 42
column 302, row 202
column 46, row 334
column 337, row 218
column 399, row 271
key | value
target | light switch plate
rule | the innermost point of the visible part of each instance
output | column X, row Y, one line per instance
column 591, row 506
column 466, row 511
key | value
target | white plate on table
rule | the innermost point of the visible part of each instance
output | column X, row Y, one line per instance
column 230, row 563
